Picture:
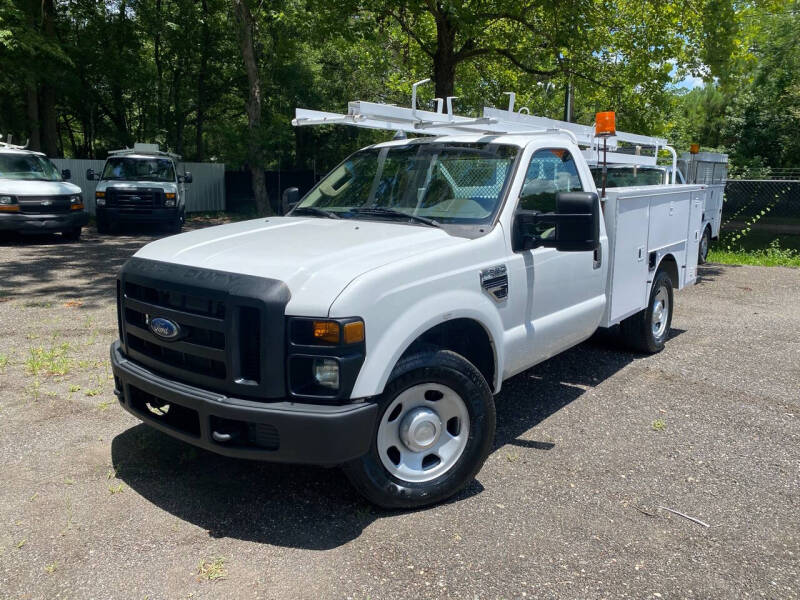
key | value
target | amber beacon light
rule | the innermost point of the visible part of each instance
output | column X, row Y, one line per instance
column 605, row 124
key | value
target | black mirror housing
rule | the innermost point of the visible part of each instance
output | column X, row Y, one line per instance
column 576, row 224
column 66, row 174
column 290, row 198
column 185, row 178
column 90, row 174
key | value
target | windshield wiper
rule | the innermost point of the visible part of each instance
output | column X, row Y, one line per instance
column 382, row 211
column 313, row 210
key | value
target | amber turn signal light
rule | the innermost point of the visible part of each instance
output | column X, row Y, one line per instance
column 354, row 332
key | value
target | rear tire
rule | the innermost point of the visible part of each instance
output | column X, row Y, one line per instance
column 647, row 330
column 436, row 428
column 705, row 243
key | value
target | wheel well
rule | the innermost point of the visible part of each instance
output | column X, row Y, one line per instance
column 466, row 337
column 670, row 265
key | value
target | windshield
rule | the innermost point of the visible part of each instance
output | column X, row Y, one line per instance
column 139, row 169
column 629, row 176
column 27, row 166
column 458, row 183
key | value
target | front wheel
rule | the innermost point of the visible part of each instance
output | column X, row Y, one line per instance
column 647, row 330
column 435, row 431
column 72, row 235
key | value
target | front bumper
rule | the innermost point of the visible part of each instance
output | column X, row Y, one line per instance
column 282, row 431
column 132, row 215
column 42, row 223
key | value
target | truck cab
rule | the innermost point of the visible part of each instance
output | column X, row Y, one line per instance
column 372, row 325
column 140, row 185
column 35, row 197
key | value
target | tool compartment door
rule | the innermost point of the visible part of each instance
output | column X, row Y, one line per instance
column 697, row 206
column 628, row 289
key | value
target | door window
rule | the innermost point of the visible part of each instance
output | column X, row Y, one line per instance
column 550, row 171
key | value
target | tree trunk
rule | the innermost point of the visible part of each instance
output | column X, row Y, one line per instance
column 444, row 59
column 205, row 42
column 254, row 155
column 47, row 104
column 33, row 116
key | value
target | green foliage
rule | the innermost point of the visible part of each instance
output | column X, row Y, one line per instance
column 774, row 255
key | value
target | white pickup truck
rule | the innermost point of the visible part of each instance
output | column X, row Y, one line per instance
column 372, row 326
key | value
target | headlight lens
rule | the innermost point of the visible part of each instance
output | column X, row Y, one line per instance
column 326, row 372
column 8, row 204
column 101, row 201
column 100, row 198
column 6, row 200
column 76, row 202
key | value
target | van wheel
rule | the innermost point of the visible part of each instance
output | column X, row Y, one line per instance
column 73, row 235
column 647, row 330
column 177, row 223
column 705, row 242
column 435, row 431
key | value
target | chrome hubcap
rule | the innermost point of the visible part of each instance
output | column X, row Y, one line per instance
column 423, row 432
column 660, row 312
column 704, row 246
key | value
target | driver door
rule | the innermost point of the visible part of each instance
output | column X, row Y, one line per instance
column 566, row 290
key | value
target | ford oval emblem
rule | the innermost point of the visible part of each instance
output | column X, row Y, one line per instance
column 164, row 328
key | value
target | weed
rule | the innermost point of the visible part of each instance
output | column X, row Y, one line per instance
column 21, row 543
column 74, row 388
column 83, row 364
column 51, row 568
column 53, row 361
column 212, row 570
column 111, row 474
column 104, row 405
column 116, row 489
column 35, row 389
column 3, row 361
column 774, row 255
column 658, row 425
column 69, row 481
column 93, row 392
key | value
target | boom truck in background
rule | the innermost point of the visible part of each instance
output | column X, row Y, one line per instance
column 372, row 325
column 140, row 185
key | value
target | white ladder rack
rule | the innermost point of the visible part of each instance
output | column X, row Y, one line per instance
column 372, row 115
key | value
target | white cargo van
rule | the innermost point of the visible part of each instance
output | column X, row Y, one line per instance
column 140, row 185
column 372, row 326
column 35, row 197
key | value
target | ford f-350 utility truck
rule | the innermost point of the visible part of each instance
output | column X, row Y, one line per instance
column 35, row 197
column 372, row 326
column 140, row 185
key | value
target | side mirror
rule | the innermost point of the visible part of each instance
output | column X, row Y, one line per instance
column 90, row 175
column 66, row 174
column 574, row 227
column 185, row 178
column 291, row 196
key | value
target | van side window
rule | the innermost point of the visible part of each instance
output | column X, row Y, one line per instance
column 551, row 170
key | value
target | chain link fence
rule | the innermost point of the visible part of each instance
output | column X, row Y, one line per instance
column 759, row 213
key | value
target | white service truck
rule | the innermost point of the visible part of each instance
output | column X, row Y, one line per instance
column 140, row 185
column 372, row 326
column 35, row 197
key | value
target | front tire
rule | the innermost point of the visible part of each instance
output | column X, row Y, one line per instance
column 72, row 235
column 647, row 330
column 436, row 429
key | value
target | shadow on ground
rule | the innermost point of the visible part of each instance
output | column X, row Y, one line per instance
column 58, row 271
column 315, row 508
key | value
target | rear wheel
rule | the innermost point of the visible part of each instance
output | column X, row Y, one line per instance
column 435, row 431
column 705, row 243
column 647, row 330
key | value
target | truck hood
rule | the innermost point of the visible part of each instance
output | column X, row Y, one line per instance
column 315, row 257
column 167, row 186
column 31, row 187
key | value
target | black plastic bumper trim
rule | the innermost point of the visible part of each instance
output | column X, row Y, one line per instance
column 308, row 433
column 32, row 223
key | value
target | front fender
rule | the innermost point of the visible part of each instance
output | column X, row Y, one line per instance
column 418, row 318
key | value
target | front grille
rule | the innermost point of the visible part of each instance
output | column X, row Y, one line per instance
column 135, row 200
column 230, row 332
column 44, row 205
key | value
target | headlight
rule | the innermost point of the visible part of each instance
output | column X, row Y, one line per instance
column 100, row 198
column 76, row 202
column 326, row 372
column 101, row 201
column 8, row 204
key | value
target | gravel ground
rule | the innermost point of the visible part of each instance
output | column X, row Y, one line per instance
column 592, row 447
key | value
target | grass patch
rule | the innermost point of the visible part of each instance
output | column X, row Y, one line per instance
column 3, row 361
column 51, row 361
column 212, row 570
column 773, row 255
column 658, row 425
column 116, row 489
